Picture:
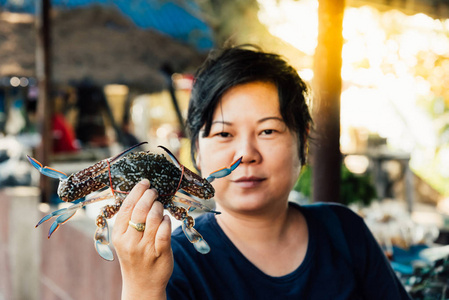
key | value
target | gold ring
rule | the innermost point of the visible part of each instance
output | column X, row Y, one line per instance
column 137, row 226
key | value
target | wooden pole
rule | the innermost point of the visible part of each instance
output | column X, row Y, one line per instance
column 325, row 149
column 44, row 106
column 168, row 73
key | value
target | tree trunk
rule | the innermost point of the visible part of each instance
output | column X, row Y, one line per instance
column 44, row 107
column 325, row 148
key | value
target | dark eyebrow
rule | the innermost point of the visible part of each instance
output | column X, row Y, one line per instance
column 271, row 118
column 221, row 122
column 260, row 121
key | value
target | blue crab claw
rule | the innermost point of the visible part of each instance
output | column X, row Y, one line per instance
column 44, row 219
column 202, row 246
column 104, row 251
column 64, row 214
column 102, row 243
column 196, row 239
column 58, row 212
column 225, row 171
column 58, row 221
column 47, row 171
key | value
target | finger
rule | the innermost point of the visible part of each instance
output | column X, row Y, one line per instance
column 124, row 214
column 141, row 210
column 163, row 237
column 154, row 219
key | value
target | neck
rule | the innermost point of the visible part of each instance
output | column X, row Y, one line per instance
column 275, row 242
column 255, row 227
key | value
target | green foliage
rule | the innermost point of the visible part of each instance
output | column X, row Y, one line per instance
column 353, row 189
column 304, row 183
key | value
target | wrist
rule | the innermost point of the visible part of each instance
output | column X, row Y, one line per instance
column 130, row 293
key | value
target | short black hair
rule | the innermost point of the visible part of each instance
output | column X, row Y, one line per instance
column 232, row 66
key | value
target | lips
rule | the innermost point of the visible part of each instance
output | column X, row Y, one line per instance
column 249, row 182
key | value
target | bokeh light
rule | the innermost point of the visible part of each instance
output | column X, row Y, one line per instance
column 395, row 72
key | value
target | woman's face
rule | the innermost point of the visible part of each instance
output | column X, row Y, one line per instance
column 247, row 122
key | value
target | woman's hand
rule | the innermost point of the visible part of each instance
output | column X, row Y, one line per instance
column 145, row 257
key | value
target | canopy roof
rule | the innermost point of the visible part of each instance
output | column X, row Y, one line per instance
column 180, row 20
column 96, row 44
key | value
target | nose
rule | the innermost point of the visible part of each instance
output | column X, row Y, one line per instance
column 249, row 149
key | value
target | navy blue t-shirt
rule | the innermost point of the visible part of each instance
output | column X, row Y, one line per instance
column 343, row 261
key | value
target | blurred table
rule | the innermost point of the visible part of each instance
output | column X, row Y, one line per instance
column 383, row 181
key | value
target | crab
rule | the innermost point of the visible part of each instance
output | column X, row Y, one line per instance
column 175, row 184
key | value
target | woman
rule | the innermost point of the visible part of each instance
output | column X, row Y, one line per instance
column 250, row 104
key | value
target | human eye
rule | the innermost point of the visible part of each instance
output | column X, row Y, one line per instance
column 268, row 131
column 221, row 130
column 222, row 134
column 271, row 127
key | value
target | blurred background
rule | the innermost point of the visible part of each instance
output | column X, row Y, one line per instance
column 82, row 80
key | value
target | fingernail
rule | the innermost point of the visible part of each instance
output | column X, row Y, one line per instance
column 145, row 182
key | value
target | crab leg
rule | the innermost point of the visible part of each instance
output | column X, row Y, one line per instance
column 64, row 214
column 181, row 214
column 102, row 235
column 102, row 239
column 193, row 204
column 47, row 171
column 194, row 236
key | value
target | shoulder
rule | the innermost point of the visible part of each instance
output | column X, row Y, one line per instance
column 338, row 220
column 349, row 228
column 324, row 209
